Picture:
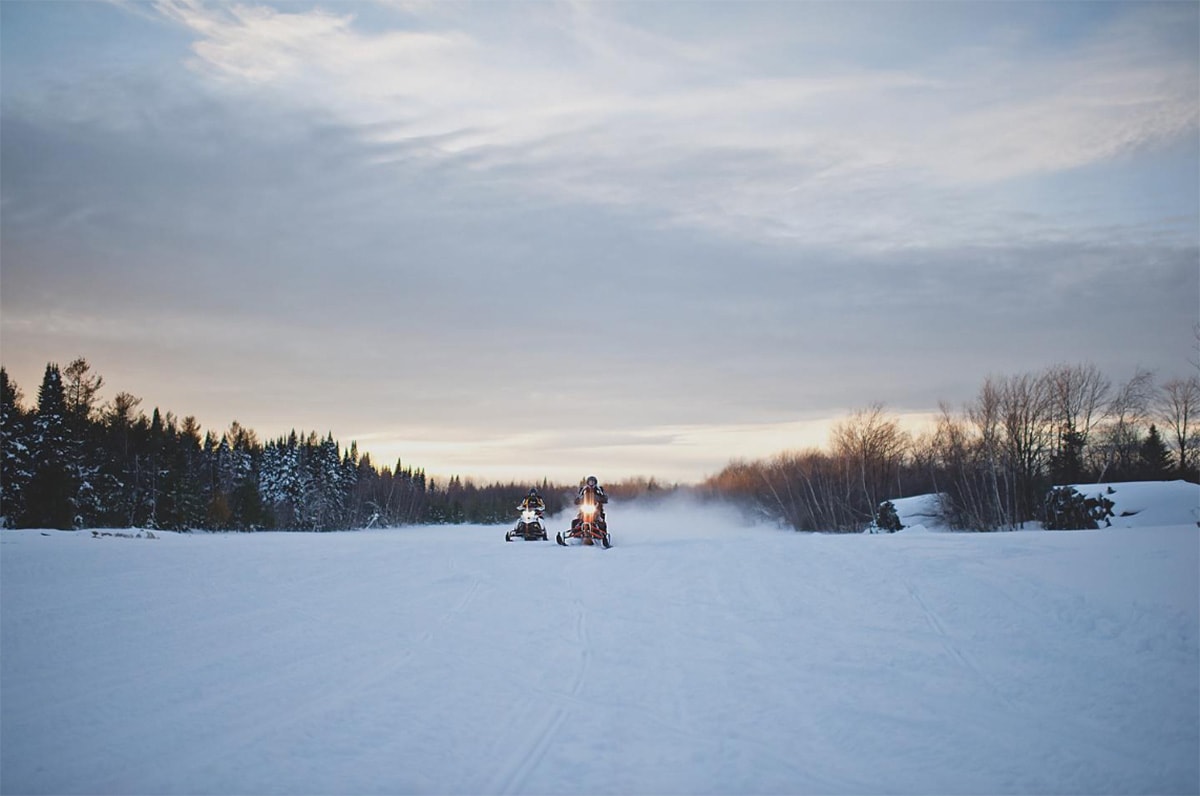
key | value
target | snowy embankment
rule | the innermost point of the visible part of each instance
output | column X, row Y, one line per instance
column 696, row 656
column 1136, row 504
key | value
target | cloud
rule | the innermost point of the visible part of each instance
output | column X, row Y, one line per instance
column 577, row 103
column 706, row 132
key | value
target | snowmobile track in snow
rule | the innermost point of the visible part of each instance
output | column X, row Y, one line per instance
column 512, row 778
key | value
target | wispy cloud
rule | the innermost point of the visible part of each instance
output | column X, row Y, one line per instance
column 585, row 104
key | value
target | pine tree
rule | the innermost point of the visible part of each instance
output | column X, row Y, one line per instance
column 50, row 498
column 1066, row 465
column 16, row 455
column 80, row 390
column 185, row 487
column 887, row 517
column 241, row 478
column 115, row 482
column 288, row 486
column 271, row 482
column 217, row 511
column 1154, row 458
column 327, row 476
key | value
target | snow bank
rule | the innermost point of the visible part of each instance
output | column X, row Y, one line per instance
column 919, row 514
column 1137, row 504
column 1140, row 504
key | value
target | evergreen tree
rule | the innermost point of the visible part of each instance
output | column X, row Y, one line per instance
column 1154, row 458
column 289, row 484
column 330, row 497
column 116, row 480
column 16, row 454
column 271, row 483
column 80, row 391
column 50, row 498
column 1066, row 464
column 240, row 477
column 185, row 488
column 217, row 513
column 887, row 518
column 142, row 480
column 151, row 471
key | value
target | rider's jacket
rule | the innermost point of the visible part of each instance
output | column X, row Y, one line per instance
column 601, row 496
column 535, row 503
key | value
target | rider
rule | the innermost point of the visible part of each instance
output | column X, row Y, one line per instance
column 593, row 486
column 533, row 501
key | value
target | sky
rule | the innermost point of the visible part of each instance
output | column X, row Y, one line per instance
column 527, row 240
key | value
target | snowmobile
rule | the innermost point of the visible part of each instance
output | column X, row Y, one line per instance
column 530, row 527
column 589, row 527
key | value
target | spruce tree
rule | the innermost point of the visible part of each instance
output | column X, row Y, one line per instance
column 1066, row 465
column 187, row 495
column 887, row 518
column 16, row 454
column 116, row 481
column 50, row 499
column 1154, row 458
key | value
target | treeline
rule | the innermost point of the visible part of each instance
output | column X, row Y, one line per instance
column 72, row 462
column 993, row 462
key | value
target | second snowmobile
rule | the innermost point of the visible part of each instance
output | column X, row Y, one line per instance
column 530, row 527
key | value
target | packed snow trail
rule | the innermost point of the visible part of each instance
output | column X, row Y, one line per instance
column 695, row 656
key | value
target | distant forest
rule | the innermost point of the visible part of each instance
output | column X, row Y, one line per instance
column 71, row 461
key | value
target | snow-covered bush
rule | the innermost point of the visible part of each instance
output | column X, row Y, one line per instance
column 1066, row 509
column 887, row 519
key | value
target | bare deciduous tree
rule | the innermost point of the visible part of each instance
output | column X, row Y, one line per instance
column 1178, row 407
column 1078, row 394
column 1128, row 413
column 985, row 415
column 871, row 445
column 968, row 480
column 1025, row 410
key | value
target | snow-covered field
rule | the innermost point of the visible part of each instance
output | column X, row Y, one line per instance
column 696, row 656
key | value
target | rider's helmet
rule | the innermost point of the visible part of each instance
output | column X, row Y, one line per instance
column 591, row 481
column 533, row 492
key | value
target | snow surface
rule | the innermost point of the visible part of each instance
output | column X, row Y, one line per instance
column 695, row 656
column 1140, row 503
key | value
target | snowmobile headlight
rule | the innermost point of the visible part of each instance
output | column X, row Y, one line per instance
column 589, row 509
